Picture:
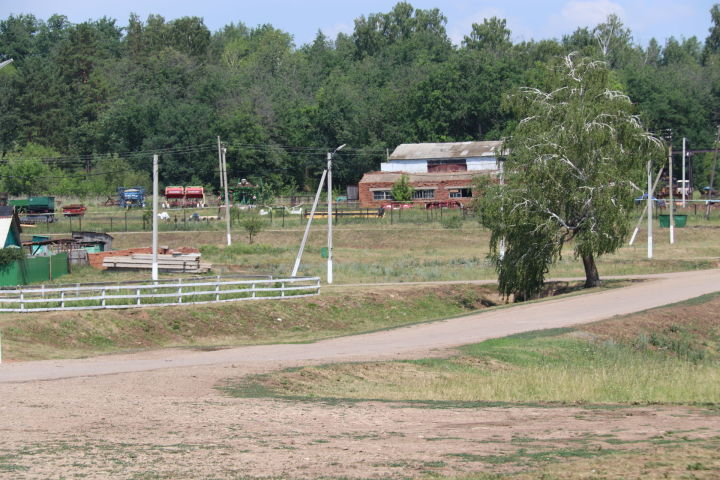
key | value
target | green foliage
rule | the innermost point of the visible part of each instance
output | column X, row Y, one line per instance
column 92, row 89
column 573, row 165
column 253, row 225
column 10, row 255
column 402, row 191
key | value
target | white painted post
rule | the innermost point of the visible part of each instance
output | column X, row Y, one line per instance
column 307, row 226
column 220, row 162
column 155, row 220
column 672, row 200
column 683, row 174
column 227, row 198
column 217, row 292
column 329, row 212
column 253, row 290
column 649, row 210
column 62, row 299
column 103, row 297
column 22, row 300
column 137, row 295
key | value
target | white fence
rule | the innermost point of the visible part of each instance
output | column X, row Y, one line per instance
column 158, row 294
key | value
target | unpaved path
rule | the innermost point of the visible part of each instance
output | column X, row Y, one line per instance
column 401, row 342
column 159, row 415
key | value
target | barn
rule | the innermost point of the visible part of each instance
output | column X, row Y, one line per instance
column 440, row 173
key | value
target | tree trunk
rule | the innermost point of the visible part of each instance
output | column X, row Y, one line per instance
column 592, row 278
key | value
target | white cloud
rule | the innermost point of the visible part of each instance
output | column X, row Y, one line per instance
column 332, row 31
column 589, row 13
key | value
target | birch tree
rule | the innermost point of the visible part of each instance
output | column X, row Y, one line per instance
column 573, row 166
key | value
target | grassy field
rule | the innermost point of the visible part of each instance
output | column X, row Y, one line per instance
column 670, row 355
column 405, row 253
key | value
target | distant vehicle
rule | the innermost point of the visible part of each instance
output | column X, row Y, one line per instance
column 658, row 201
column 74, row 210
column 35, row 209
column 131, row 197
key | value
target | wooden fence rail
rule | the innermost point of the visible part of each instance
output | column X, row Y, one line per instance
column 178, row 292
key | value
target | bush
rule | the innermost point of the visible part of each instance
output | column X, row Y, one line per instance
column 10, row 254
column 252, row 225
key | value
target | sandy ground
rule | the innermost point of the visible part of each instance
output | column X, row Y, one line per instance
column 174, row 424
column 160, row 415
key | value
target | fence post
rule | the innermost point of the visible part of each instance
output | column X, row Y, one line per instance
column 282, row 289
column 217, row 292
column 179, row 294
column 253, row 290
column 22, row 300
column 62, row 299
column 102, row 298
column 137, row 296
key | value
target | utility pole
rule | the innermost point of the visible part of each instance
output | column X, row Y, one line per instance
column 329, row 210
column 307, row 226
column 670, row 184
column 649, row 210
column 220, row 161
column 712, row 174
column 642, row 215
column 684, row 184
column 155, row 220
column 227, row 198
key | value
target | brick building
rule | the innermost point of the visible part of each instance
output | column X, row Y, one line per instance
column 439, row 172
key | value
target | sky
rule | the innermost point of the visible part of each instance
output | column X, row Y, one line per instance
column 527, row 20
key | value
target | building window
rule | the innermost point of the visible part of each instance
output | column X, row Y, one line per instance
column 382, row 195
column 461, row 193
column 423, row 194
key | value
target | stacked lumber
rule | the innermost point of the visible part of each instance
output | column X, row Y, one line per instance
column 176, row 263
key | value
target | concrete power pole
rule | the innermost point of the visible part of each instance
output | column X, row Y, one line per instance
column 672, row 199
column 155, row 220
column 227, row 197
column 649, row 210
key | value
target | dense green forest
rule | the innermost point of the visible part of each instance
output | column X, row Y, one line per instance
column 84, row 106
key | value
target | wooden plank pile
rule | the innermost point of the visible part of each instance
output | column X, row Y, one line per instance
column 175, row 263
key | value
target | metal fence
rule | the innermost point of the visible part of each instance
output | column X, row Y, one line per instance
column 156, row 294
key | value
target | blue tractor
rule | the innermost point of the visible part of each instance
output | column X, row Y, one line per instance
column 131, row 197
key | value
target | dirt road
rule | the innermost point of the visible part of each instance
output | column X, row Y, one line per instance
column 403, row 342
column 158, row 414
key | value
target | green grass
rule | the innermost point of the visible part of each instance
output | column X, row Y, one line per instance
column 677, row 365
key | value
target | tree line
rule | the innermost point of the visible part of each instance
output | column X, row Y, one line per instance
column 83, row 106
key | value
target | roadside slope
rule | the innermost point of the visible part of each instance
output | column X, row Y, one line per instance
column 399, row 343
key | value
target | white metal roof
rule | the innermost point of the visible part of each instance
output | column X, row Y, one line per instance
column 440, row 151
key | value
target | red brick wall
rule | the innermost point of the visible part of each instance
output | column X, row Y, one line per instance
column 442, row 193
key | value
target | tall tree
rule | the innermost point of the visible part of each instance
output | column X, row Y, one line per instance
column 571, row 174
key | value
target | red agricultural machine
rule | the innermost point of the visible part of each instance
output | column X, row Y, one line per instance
column 182, row 197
